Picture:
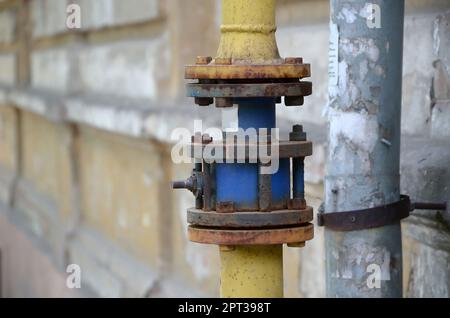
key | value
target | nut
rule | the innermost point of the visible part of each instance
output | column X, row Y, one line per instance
column 224, row 102
column 203, row 60
column 297, row 204
column 293, row 100
column 225, row 207
column 293, row 60
column 297, row 133
column 203, row 101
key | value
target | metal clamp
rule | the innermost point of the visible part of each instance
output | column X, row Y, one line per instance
column 366, row 218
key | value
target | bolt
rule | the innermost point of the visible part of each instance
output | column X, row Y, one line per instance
column 296, row 204
column 188, row 184
column 293, row 60
column 297, row 133
column 180, row 184
column 224, row 102
column 225, row 207
column 203, row 101
column 353, row 219
column 203, row 60
column 223, row 61
column 293, row 100
column 334, row 191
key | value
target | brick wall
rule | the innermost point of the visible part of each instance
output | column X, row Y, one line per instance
column 85, row 121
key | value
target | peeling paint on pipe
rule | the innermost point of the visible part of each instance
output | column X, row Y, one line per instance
column 364, row 153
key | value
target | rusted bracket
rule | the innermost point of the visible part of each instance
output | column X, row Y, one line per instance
column 366, row 218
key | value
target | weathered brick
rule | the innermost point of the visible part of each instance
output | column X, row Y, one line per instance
column 425, row 256
column 45, row 149
column 417, row 73
column 26, row 270
column 130, row 69
column 119, row 182
column 107, row 13
column 8, row 69
column 198, row 264
column 7, row 26
column 50, row 69
column 8, row 137
column 48, row 17
column 108, row 270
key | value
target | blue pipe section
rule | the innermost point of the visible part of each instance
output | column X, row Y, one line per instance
column 238, row 182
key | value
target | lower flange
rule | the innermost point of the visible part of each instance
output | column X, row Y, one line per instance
column 257, row 219
column 296, row 234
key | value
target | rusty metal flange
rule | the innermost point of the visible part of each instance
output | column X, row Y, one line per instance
column 249, row 151
column 247, row 71
column 255, row 219
column 230, row 90
column 296, row 234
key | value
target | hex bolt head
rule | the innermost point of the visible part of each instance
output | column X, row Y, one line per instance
column 293, row 100
column 203, row 60
column 223, row 61
column 224, row 102
column 297, row 133
column 203, row 101
column 293, row 60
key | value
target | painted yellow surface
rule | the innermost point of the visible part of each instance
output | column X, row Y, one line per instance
column 120, row 180
column 248, row 30
column 248, row 33
column 45, row 150
column 252, row 271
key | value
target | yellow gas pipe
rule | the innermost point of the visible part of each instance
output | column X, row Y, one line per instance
column 248, row 33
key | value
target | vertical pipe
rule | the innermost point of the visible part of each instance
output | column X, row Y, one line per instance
column 251, row 271
column 364, row 133
column 248, row 33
